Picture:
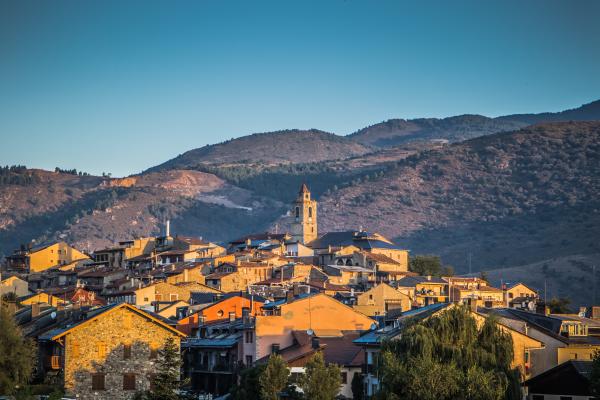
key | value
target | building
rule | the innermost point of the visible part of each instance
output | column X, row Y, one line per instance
column 14, row 285
column 330, row 248
column 109, row 354
column 116, row 257
column 338, row 349
column 381, row 300
column 423, row 290
column 224, row 309
column 41, row 258
column 235, row 277
column 567, row 381
column 304, row 212
column 519, row 295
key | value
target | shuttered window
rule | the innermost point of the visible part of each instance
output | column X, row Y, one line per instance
column 97, row 381
column 128, row 381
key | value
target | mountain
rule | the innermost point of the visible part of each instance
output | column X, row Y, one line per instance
column 454, row 129
column 92, row 212
column 507, row 199
column 289, row 146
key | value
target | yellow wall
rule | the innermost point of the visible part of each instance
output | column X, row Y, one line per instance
column 399, row 255
column 373, row 302
column 57, row 254
column 43, row 298
column 326, row 314
column 583, row 353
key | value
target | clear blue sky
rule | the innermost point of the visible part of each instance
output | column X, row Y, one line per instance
column 120, row 86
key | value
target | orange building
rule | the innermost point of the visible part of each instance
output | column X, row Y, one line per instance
column 228, row 308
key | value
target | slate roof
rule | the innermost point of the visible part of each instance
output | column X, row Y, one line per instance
column 362, row 240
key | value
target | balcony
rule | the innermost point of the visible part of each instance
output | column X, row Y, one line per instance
column 216, row 368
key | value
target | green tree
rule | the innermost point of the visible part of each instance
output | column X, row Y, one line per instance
column 166, row 381
column 357, row 387
column 274, row 378
column 448, row 357
column 559, row 305
column 425, row 265
column 595, row 375
column 249, row 386
column 320, row 381
column 17, row 355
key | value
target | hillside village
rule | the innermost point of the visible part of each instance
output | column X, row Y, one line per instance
column 100, row 317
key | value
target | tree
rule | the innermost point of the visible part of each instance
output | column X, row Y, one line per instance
column 166, row 381
column 357, row 387
column 17, row 355
column 559, row 305
column 320, row 381
column 274, row 378
column 425, row 265
column 448, row 357
column 595, row 375
column 249, row 386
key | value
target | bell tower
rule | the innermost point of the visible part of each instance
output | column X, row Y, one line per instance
column 304, row 212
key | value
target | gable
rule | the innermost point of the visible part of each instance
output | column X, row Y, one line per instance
column 111, row 311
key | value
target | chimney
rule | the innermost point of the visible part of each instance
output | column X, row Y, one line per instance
column 35, row 310
column 275, row 348
column 231, row 316
column 289, row 295
column 315, row 342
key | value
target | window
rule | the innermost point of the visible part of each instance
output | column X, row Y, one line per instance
column 297, row 213
column 220, row 313
column 248, row 361
column 97, row 381
column 173, row 296
column 158, row 297
column 151, row 379
column 126, row 351
column 75, row 350
column 344, row 378
column 510, row 295
column 101, row 349
column 249, row 337
column 128, row 381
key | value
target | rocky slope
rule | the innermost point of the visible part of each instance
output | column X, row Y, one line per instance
column 508, row 199
column 92, row 212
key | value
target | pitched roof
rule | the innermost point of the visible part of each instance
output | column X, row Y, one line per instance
column 303, row 189
column 412, row 281
column 60, row 332
column 360, row 239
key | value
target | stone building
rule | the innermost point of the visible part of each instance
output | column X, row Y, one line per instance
column 109, row 354
column 304, row 226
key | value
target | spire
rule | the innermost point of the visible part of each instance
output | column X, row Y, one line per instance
column 303, row 189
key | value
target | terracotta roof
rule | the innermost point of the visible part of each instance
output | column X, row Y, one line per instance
column 381, row 258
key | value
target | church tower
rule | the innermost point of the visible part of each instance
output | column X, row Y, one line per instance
column 304, row 212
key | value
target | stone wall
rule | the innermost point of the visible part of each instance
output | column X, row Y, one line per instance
column 114, row 329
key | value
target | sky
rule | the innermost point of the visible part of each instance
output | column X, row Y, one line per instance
column 120, row 86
